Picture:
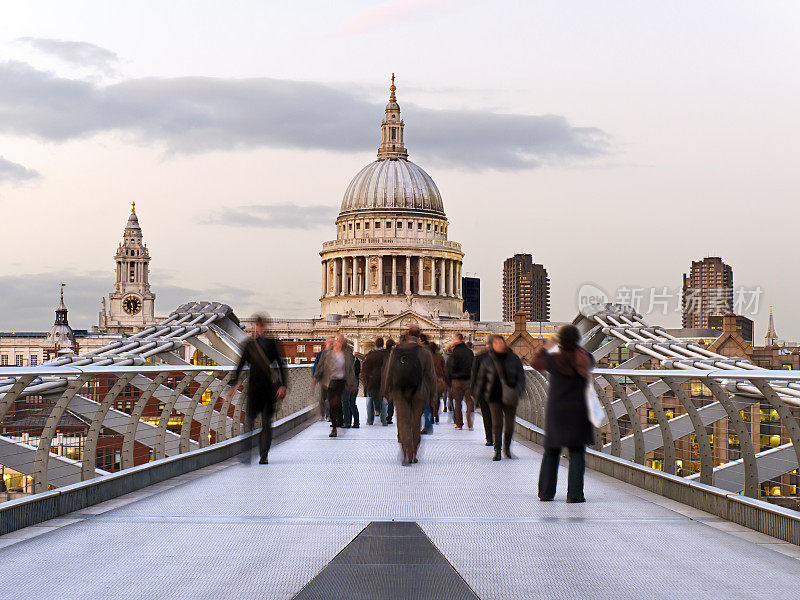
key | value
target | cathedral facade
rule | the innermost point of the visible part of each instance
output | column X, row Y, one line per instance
column 391, row 264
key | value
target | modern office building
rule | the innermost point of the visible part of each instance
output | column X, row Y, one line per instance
column 471, row 290
column 526, row 288
column 707, row 290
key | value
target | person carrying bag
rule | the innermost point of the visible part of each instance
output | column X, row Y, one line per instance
column 500, row 382
column 570, row 401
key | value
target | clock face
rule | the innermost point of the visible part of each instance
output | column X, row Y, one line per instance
column 131, row 305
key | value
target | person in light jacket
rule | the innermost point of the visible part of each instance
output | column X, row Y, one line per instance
column 336, row 373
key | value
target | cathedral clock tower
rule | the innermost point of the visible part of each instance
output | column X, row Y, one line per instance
column 131, row 304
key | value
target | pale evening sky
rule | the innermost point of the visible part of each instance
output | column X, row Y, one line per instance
column 614, row 141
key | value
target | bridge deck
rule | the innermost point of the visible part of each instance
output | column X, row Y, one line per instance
column 251, row 531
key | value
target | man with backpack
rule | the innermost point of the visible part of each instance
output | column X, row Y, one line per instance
column 410, row 380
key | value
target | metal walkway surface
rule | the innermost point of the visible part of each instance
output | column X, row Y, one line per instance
column 253, row 531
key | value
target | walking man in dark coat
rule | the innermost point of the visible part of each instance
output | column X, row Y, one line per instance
column 266, row 383
column 459, row 371
column 410, row 381
column 371, row 373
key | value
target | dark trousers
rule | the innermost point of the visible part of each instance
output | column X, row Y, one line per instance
column 548, row 474
column 459, row 389
column 335, row 392
column 486, row 413
column 409, row 413
column 265, row 437
column 502, row 424
column 375, row 404
column 389, row 410
column 349, row 408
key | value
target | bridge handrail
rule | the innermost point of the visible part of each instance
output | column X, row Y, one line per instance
column 152, row 411
column 642, row 427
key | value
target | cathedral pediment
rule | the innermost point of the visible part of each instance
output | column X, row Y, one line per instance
column 407, row 319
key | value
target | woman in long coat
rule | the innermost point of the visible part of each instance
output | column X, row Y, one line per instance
column 566, row 423
column 500, row 367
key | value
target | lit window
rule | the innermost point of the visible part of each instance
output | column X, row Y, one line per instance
column 34, row 360
column 317, row 348
column 4, row 360
column 301, row 349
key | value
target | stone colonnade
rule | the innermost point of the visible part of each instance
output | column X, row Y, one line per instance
column 395, row 274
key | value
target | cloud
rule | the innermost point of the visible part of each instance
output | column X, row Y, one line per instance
column 201, row 114
column 281, row 216
column 15, row 173
column 27, row 301
column 78, row 54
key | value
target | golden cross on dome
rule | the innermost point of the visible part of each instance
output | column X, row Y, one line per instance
column 392, row 89
column 133, row 207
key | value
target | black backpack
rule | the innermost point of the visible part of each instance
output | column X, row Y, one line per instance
column 406, row 373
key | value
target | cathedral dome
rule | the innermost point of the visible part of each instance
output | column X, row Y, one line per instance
column 392, row 184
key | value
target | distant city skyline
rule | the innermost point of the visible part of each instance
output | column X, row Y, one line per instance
column 614, row 150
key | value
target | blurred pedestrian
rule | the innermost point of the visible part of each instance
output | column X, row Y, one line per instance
column 427, row 413
column 335, row 372
column 501, row 382
column 390, row 343
column 322, row 393
column 483, row 405
column 267, row 382
column 566, row 423
column 440, row 368
column 459, row 370
column 350, row 395
column 371, row 377
column 410, row 381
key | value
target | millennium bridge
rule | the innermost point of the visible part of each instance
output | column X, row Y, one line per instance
column 177, row 514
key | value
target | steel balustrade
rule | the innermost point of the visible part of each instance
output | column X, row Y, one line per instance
column 140, row 441
column 734, row 384
column 193, row 411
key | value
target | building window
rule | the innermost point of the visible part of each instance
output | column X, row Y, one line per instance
column 317, row 348
column 410, row 225
column 419, row 225
column 34, row 360
column 301, row 349
column 18, row 360
column 429, row 226
column 388, row 224
column 4, row 360
column 399, row 225
column 377, row 225
column 366, row 225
